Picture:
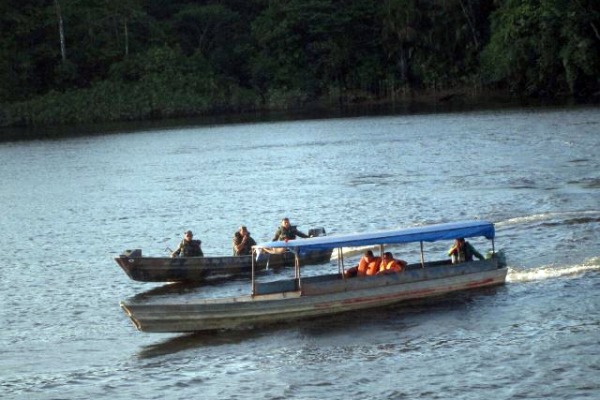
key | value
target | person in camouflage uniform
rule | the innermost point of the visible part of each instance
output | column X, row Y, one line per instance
column 462, row 251
column 287, row 231
column 242, row 242
column 188, row 247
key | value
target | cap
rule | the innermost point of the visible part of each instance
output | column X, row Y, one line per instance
column 188, row 233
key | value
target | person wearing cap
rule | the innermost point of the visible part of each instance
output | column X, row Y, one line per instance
column 188, row 247
column 242, row 242
column 287, row 231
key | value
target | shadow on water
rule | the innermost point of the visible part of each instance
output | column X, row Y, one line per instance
column 175, row 288
column 202, row 339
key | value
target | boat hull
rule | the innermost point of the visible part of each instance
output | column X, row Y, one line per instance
column 198, row 269
column 321, row 296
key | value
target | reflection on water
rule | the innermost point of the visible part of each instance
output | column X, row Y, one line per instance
column 176, row 288
column 200, row 339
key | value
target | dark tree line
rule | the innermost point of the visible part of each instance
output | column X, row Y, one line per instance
column 72, row 61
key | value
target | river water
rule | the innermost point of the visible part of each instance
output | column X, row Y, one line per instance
column 69, row 206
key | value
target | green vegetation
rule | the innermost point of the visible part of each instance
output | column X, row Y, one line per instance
column 83, row 61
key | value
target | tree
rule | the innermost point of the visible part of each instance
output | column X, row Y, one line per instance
column 400, row 19
column 544, row 48
column 61, row 31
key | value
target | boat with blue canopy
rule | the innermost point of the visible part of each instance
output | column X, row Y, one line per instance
column 330, row 293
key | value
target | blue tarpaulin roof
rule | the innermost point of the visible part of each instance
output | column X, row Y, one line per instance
column 429, row 233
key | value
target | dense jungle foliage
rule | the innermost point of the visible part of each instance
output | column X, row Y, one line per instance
column 79, row 61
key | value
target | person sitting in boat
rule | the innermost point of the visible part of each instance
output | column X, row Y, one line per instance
column 242, row 242
column 373, row 267
column 287, row 231
column 362, row 268
column 462, row 251
column 390, row 265
column 188, row 247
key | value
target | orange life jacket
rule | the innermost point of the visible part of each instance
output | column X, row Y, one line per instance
column 373, row 266
column 363, row 266
column 392, row 266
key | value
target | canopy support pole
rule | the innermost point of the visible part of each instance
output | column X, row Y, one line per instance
column 422, row 256
column 253, row 263
column 297, row 268
column 341, row 262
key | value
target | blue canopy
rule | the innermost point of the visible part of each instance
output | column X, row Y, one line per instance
column 429, row 233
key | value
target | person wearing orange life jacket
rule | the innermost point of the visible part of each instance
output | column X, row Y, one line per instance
column 390, row 265
column 362, row 267
column 373, row 267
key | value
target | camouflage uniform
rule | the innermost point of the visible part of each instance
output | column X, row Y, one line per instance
column 290, row 233
column 463, row 253
column 189, row 248
column 243, row 243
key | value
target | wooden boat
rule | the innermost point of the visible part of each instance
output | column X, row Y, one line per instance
column 322, row 295
column 198, row 269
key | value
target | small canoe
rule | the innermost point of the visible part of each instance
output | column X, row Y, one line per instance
column 198, row 269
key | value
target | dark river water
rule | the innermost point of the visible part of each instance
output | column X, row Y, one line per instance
column 69, row 206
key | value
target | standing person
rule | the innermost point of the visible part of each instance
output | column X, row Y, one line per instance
column 242, row 242
column 287, row 231
column 188, row 247
column 389, row 264
column 462, row 251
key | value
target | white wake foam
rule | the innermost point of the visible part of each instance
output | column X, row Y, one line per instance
column 352, row 251
column 551, row 271
column 546, row 216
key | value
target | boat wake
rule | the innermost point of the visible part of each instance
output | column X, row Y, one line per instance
column 353, row 251
column 551, row 271
column 554, row 218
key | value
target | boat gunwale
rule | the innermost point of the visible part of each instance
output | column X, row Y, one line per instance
column 234, row 315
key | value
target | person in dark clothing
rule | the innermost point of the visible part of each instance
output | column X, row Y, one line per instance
column 462, row 251
column 188, row 247
column 287, row 231
column 242, row 242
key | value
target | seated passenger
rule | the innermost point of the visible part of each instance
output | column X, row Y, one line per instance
column 373, row 267
column 188, row 247
column 242, row 242
column 362, row 267
column 390, row 265
column 462, row 251
column 287, row 232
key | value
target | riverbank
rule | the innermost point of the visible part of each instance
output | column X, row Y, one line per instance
column 411, row 103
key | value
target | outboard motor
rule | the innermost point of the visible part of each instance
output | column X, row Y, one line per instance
column 314, row 232
column 499, row 255
column 135, row 253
